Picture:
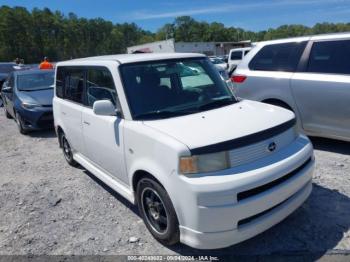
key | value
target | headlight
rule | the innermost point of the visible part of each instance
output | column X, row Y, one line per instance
column 204, row 163
column 29, row 106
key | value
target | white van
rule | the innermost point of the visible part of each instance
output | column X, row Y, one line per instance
column 203, row 167
column 235, row 57
column 309, row 75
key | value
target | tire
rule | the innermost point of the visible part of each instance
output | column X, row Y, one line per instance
column 157, row 211
column 20, row 124
column 67, row 151
column 8, row 116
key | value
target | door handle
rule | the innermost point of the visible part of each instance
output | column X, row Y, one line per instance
column 86, row 123
column 64, row 113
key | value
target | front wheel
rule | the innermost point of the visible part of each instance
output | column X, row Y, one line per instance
column 7, row 114
column 67, row 151
column 20, row 124
column 157, row 211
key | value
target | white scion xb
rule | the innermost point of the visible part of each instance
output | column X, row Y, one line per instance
column 165, row 132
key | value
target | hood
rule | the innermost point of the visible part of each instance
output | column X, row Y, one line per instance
column 222, row 124
column 40, row 97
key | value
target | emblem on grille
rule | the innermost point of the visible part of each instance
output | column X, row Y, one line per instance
column 272, row 146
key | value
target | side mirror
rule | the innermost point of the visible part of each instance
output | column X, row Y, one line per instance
column 104, row 108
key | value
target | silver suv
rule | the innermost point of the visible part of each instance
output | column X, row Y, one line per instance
column 308, row 75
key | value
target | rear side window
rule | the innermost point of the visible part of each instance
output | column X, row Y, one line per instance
column 100, row 86
column 330, row 57
column 278, row 57
column 60, row 82
column 74, row 85
column 236, row 55
column 70, row 84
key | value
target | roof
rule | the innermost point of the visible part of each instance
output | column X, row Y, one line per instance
column 132, row 58
column 241, row 48
column 307, row 38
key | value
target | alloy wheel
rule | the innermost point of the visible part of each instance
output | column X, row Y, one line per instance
column 66, row 149
column 154, row 210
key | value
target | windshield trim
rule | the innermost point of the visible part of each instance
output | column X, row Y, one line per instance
column 134, row 116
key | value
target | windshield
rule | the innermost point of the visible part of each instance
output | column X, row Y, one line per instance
column 35, row 81
column 216, row 61
column 6, row 68
column 174, row 87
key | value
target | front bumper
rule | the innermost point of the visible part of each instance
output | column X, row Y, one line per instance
column 222, row 209
column 37, row 118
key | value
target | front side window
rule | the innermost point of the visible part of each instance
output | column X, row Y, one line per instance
column 237, row 55
column 278, row 57
column 169, row 88
column 35, row 81
column 330, row 57
column 100, row 86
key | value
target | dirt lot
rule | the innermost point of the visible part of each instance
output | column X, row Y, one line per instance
column 48, row 207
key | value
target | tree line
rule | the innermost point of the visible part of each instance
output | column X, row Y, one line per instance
column 31, row 35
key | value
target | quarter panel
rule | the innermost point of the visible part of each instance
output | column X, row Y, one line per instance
column 157, row 153
column 68, row 115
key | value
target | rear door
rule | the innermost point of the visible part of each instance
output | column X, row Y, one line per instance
column 70, row 104
column 322, row 90
column 103, row 135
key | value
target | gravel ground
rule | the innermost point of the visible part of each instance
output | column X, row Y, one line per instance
column 48, row 207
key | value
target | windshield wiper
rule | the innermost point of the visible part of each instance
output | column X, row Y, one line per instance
column 38, row 89
column 217, row 103
column 161, row 114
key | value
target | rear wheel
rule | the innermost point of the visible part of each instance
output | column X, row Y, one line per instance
column 157, row 211
column 67, row 151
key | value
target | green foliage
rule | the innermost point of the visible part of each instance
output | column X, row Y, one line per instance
column 33, row 35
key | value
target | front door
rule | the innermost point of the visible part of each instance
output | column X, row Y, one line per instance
column 103, row 135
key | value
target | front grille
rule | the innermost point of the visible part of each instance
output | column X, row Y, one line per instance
column 257, row 190
column 259, row 150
